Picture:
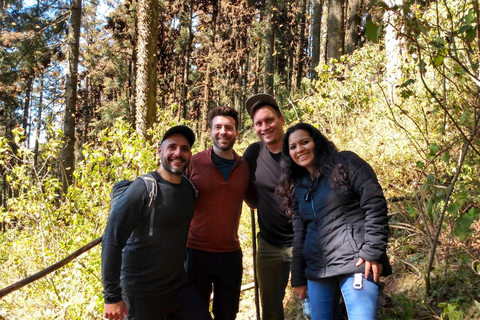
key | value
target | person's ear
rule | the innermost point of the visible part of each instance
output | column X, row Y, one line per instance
column 159, row 150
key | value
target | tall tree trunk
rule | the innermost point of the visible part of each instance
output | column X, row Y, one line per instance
column 393, row 47
column 132, row 71
column 336, row 30
column 477, row 20
column 316, row 37
column 270, row 45
column 256, row 84
column 39, row 124
column 186, row 70
column 68, row 153
column 243, row 65
column 26, row 108
column 146, row 78
column 324, row 32
column 205, row 106
column 292, row 66
column 132, row 89
column 301, row 44
column 354, row 20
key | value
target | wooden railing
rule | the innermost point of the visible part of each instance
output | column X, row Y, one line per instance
column 50, row 269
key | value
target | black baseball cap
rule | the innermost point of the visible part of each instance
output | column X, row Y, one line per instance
column 259, row 100
column 183, row 130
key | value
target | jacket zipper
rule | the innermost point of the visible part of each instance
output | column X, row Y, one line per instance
column 318, row 233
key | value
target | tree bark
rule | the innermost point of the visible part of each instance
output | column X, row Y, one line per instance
column 324, row 34
column 354, row 20
column 301, row 44
column 186, row 70
column 393, row 48
column 68, row 153
column 336, row 30
column 316, row 37
column 208, row 76
column 270, row 45
column 26, row 106
column 132, row 70
column 39, row 126
column 205, row 107
column 146, row 78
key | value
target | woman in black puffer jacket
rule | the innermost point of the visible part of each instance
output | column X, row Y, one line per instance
column 340, row 222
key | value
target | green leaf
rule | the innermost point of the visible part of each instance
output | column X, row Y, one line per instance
column 465, row 118
column 471, row 34
column 464, row 222
column 407, row 83
column 372, row 31
column 469, row 18
column 430, row 179
column 465, row 28
column 438, row 60
column 420, row 164
column 454, row 207
column 429, row 208
column 405, row 94
column 446, row 157
column 423, row 66
column 412, row 212
column 433, row 147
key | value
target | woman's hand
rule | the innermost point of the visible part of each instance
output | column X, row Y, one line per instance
column 300, row 292
column 371, row 266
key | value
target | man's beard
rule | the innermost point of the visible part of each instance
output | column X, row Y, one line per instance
column 178, row 172
column 229, row 146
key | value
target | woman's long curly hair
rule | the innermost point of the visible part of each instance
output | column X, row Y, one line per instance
column 325, row 163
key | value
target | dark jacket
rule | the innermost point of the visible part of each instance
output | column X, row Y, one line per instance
column 334, row 226
column 136, row 263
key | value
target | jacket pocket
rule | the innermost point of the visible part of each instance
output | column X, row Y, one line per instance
column 351, row 239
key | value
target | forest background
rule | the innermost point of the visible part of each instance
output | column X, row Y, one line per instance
column 88, row 88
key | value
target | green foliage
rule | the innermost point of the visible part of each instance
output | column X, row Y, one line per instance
column 44, row 228
column 349, row 107
column 372, row 31
column 464, row 222
column 421, row 140
column 450, row 311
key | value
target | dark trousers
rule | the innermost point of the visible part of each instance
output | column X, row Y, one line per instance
column 224, row 272
column 273, row 271
column 184, row 303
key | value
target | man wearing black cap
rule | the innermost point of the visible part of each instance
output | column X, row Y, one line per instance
column 275, row 238
column 143, row 251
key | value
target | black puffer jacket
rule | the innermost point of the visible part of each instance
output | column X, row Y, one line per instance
column 335, row 226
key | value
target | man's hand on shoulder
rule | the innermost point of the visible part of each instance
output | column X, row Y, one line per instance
column 115, row 311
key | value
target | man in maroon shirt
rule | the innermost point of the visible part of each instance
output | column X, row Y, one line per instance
column 222, row 178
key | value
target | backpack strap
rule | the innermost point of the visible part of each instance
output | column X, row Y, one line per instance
column 194, row 189
column 151, row 185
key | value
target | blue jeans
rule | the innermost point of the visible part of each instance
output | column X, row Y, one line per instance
column 362, row 304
